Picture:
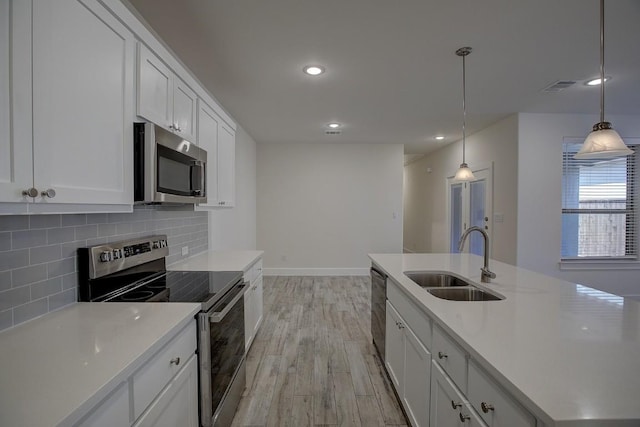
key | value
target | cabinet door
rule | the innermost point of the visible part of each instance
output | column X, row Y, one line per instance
column 15, row 100
column 448, row 406
column 258, row 304
column 113, row 411
column 417, row 380
column 226, row 165
column 394, row 349
column 184, row 110
column 177, row 404
column 249, row 318
column 155, row 89
column 83, row 67
column 208, row 140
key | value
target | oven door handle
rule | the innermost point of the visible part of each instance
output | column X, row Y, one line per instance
column 217, row 316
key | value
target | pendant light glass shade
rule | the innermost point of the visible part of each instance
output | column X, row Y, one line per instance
column 464, row 174
column 603, row 142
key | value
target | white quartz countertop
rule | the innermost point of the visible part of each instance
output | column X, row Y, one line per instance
column 57, row 367
column 569, row 353
column 218, row 261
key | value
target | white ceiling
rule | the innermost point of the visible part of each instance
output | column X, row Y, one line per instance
column 392, row 74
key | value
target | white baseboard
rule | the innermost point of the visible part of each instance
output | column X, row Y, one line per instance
column 315, row 272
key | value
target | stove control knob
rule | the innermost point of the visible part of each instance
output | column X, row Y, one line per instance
column 106, row 256
column 117, row 254
column 163, row 243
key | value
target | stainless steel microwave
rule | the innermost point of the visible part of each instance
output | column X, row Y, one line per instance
column 167, row 168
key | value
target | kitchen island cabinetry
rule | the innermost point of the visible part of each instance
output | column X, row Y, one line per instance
column 73, row 66
column 163, row 98
column 253, row 304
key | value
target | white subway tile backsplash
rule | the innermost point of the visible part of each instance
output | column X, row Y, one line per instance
column 38, row 253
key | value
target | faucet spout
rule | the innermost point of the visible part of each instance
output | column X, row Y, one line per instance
column 486, row 274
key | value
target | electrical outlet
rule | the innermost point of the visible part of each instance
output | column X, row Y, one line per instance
column 185, row 250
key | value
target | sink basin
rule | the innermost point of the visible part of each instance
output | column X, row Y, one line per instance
column 427, row 279
column 464, row 294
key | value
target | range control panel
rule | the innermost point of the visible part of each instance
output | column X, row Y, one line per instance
column 116, row 253
column 112, row 257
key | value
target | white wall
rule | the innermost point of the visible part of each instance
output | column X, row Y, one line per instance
column 425, row 218
column 323, row 207
column 236, row 228
column 540, row 192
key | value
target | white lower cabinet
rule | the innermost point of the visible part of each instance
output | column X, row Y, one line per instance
column 409, row 365
column 493, row 404
column 449, row 408
column 177, row 404
column 113, row 411
column 253, row 304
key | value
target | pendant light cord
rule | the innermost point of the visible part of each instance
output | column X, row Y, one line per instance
column 601, row 61
column 464, row 107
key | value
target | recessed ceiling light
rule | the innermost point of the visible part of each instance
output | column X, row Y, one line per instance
column 439, row 138
column 313, row 70
column 596, row 82
column 334, row 125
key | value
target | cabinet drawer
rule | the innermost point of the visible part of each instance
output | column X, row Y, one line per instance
column 254, row 271
column 159, row 370
column 503, row 411
column 448, row 405
column 451, row 357
column 416, row 319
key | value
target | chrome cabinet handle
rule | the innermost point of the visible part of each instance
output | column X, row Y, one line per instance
column 31, row 192
column 50, row 193
column 486, row 407
column 455, row 405
column 175, row 361
column 442, row 355
column 464, row 417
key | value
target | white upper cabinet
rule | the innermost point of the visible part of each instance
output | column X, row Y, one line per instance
column 70, row 109
column 163, row 98
column 83, row 70
column 15, row 100
column 219, row 140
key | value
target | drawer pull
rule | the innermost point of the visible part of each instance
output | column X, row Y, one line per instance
column 486, row 407
column 175, row 361
column 455, row 405
column 464, row 417
column 442, row 355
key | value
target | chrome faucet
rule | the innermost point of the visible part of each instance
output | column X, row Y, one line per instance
column 486, row 274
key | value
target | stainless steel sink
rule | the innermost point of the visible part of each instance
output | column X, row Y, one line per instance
column 464, row 294
column 428, row 279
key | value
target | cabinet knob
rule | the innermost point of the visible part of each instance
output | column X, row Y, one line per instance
column 455, row 405
column 175, row 361
column 172, row 127
column 31, row 192
column 464, row 417
column 442, row 355
column 486, row 407
column 50, row 193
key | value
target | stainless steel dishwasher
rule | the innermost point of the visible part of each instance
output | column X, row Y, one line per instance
column 378, row 309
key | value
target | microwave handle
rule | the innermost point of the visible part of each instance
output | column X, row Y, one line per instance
column 203, row 177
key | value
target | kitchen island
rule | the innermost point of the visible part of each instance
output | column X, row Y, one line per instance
column 568, row 354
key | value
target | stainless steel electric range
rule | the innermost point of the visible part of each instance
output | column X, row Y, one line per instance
column 135, row 271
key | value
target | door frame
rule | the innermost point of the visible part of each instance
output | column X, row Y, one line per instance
column 488, row 200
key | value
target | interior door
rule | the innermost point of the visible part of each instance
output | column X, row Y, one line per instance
column 470, row 205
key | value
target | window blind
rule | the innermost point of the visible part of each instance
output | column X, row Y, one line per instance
column 599, row 217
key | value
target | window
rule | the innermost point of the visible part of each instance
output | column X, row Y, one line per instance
column 598, row 206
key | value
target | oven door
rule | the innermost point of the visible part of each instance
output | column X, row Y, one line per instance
column 222, row 354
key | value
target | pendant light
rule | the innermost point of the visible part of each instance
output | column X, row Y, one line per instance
column 603, row 142
column 464, row 173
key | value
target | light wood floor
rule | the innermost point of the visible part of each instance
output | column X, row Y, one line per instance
column 312, row 362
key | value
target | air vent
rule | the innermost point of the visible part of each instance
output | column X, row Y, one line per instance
column 559, row 85
column 332, row 132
